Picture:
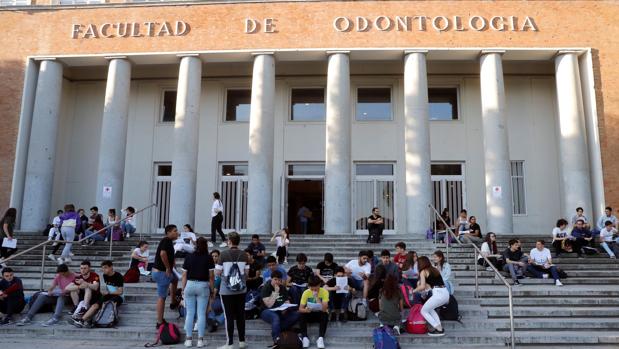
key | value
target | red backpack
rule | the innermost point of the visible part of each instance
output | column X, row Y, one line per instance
column 408, row 295
column 415, row 322
column 132, row 276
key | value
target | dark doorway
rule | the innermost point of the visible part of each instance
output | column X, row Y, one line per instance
column 308, row 193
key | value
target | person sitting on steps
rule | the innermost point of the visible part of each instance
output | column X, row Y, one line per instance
column 540, row 263
column 580, row 215
column 607, row 240
column 391, row 304
column 338, row 296
column 314, row 307
column 360, row 271
column 298, row 275
column 11, row 296
column 85, row 287
column 515, row 261
column 561, row 238
column 274, row 294
column 582, row 237
column 489, row 250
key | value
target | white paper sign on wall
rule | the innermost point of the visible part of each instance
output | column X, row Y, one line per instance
column 497, row 192
column 107, row 192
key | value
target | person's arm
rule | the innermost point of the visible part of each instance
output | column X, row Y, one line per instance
column 421, row 284
column 211, row 279
column 325, row 303
column 166, row 262
column 184, row 279
column 446, row 272
column 103, row 289
column 53, row 286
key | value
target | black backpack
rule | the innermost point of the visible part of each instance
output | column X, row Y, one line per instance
column 234, row 280
column 450, row 311
column 289, row 340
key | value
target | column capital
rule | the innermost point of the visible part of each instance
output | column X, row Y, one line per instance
column 567, row 52
column 183, row 55
column 109, row 58
column 406, row 52
column 39, row 59
column 490, row 51
column 332, row 52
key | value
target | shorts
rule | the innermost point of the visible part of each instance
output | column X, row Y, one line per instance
column 108, row 297
column 163, row 283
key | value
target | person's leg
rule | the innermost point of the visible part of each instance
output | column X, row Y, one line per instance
column 59, row 307
column 38, row 304
column 303, row 319
column 87, row 297
column 437, row 299
column 213, row 229
column 535, row 271
column 13, row 304
column 190, row 307
column 554, row 272
column 240, row 316
column 228, row 305
column 220, row 220
column 366, row 288
column 323, row 319
column 512, row 272
column 68, row 233
column 173, row 287
column 163, row 283
column 203, row 297
column 272, row 318
column 607, row 249
column 74, row 293
column 557, row 246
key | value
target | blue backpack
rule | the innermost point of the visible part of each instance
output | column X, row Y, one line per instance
column 384, row 338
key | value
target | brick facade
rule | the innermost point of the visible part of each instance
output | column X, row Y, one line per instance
column 41, row 31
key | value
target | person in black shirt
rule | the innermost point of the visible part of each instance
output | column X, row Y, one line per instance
column 198, row 284
column 326, row 268
column 11, row 296
column 515, row 261
column 163, row 271
column 274, row 294
column 111, row 289
column 257, row 250
column 254, row 280
column 298, row 276
column 376, row 225
column 474, row 232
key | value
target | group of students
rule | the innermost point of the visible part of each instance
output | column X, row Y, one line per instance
column 250, row 280
column 86, row 291
column 582, row 238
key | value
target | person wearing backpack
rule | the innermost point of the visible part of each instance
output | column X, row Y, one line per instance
column 314, row 307
column 430, row 278
column 233, row 268
column 111, row 290
column 163, row 272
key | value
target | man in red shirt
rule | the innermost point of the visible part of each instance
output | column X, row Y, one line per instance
column 400, row 254
column 85, row 287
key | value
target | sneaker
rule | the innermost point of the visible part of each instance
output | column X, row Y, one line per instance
column 320, row 343
column 76, row 323
column 59, row 260
column 51, row 257
column 223, row 244
column 489, row 269
column 88, row 324
column 396, row 329
column 68, row 260
column 128, row 236
column 517, row 283
column 50, row 322
column 436, row 333
column 210, row 244
column 5, row 321
column 188, row 343
column 612, row 257
column 242, row 345
column 306, row 342
column 200, row 343
column 545, row 276
column 71, row 254
column 25, row 321
column 558, row 283
column 343, row 317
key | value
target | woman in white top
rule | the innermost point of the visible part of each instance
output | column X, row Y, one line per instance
column 489, row 250
column 445, row 269
column 113, row 221
column 186, row 241
column 561, row 238
column 463, row 222
column 217, row 219
column 139, row 257
column 282, row 239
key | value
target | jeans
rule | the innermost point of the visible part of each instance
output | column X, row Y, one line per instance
column 610, row 248
column 514, row 269
column 440, row 296
column 163, row 283
column 280, row 321
column 216, row 227
column 303, row 224
column 12, row 304
column 196, row 299
column 68, row 233
column 320, row 317
column 338, row 301
column 295, row 293
column 234, row 310
column 43, row 300
column 538, row 271
column 127, row 228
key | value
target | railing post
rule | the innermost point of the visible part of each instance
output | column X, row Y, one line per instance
column 511, row 315
column 111, row 241
column 476, row 275
column 42, row 267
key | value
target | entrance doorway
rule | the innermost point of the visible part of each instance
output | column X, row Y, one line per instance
column 448, row 187
column 305, row 193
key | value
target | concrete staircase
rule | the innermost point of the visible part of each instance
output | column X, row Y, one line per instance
column 583, row 313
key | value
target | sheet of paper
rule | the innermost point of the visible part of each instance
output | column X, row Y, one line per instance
column 283, row 307
column 6, row 243
column 314, row 306
column 342, row 282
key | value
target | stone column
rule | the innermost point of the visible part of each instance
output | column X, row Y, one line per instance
column 337, row 198
column 186, row 131
column 42, row 149
column 499, row 211
column 111, row 170
column 417, row 143
column 261, row 133
column 573, row 156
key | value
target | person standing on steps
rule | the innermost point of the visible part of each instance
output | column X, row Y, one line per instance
column 217, row 219
column 7, row 226
column 68, row 222
column 430, row 279
column 232, row 267
column 163, row 272
column 282, row 241
column 376, row 225
column 304, row 214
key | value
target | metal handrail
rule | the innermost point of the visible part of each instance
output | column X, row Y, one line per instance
column 46, row 242
column 450, row 232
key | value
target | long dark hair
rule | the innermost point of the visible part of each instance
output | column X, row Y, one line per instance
column 201, row 246
column 441, row 257
column 11, row 212
column 492, row 244
column 410, row 260
column 390, row 287
column 423, row 263
column 188, row 226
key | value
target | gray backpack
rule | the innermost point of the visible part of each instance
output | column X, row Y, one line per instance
column 107, row 315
